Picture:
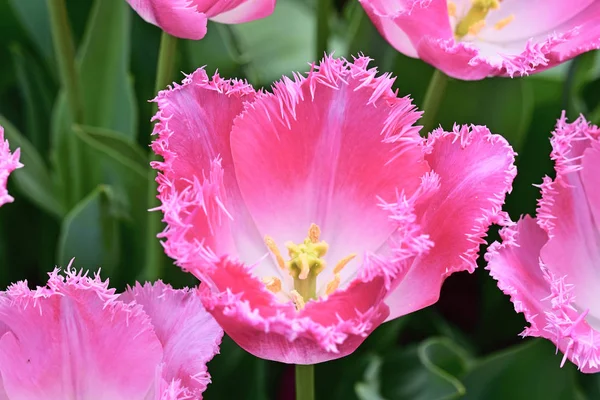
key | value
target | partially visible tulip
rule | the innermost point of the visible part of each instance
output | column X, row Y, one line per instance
column 474, row 39
column 8, row 163
column 331, row 168
column 77, row 339
column 550, row 265
column 187, row 19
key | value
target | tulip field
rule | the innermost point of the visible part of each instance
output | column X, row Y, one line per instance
column 299, row 199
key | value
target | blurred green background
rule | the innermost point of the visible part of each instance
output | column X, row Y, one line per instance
column 467, row 345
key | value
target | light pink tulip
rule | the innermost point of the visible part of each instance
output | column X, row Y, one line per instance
column 550, row 265
column 77, row 339
column 332, row 162
column 187, row 19
column 474, row 39
column 8, row 163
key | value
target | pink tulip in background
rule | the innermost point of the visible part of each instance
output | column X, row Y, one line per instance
column 187, row 19
column 474, row 39
column 549, row 265
column 77, row 339
column 8, row 163
column 314, row 213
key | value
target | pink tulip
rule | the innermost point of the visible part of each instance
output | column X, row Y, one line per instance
column 187, row 19
column 76, row 339
column 8, row 163
column 549, row 265
column 331, row 167
column 473, row 39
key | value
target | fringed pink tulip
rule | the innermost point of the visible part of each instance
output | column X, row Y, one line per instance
column 331, row 168
column 8, row 163
column 187, row 19
column 474, row 39
column 77, row 339
column 550, row 265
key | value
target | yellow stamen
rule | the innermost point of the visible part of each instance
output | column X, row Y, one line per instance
column 333, row 285
column 476, row 27
column 452, row 9
column 314, row 232
column 272, row 246
column 471, row 23
column 297, row 299
column 503, row 22
column 272, row 283
column 343, row 262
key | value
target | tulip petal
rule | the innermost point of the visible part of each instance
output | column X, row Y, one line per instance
column 71, row 339
column 322, row 149
column 8, row 163
column 476, row 170
column 189, row 335
column 245, row 11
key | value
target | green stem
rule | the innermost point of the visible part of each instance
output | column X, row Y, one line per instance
column 154, row 251
column 323, row 9
column 69, row 79
column 305, row 382
column 433, row 99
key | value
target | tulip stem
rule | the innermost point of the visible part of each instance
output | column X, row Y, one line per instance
column 323, row 9
column 433, row 99
column 154, row 251
column 305, row 382
column 64, row 48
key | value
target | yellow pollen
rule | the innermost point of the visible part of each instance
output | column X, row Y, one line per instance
column 297, row 299
column 333, row 285
column 452, row 9
column 272, row 283
column 503, row 22
column 272, row 246
column 304, row 264
column 343, row 262
column 474, row 21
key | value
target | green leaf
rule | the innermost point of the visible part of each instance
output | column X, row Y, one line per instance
column 33, row 180
column 33, row 15
column 528, row 371
column 90, row 234
column 426, row 372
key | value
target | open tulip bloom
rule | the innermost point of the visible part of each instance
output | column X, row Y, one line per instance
column 77, row 339
column 473, row 39
column 549, row 265
column 316, row 212
column 8, row 163
column 187, row 19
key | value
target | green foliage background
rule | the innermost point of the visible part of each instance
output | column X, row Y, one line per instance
column 467, row 345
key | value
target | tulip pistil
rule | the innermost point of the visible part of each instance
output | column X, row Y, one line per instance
column 304, row 265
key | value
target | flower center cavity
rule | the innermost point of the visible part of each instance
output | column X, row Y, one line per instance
column 305, row 263
column 473, row 20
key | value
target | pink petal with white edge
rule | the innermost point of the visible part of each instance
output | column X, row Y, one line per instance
column 180, row 18
column 325, row 329
column 476, row 170
column 245, row 11
column 189, row 335
column 197, row 186
column 73, row 339
column 322, row 149
column 8, row 163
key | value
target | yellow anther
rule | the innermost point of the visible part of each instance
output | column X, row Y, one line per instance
column 503, row 22
column 452, row 9
column 314, row 232
column 304, row 266
column 476, row 27
column 472, row 22
column 272, row 246
column 342, row 263
column 272, row 283
column 333, row 285
column 297, row 299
